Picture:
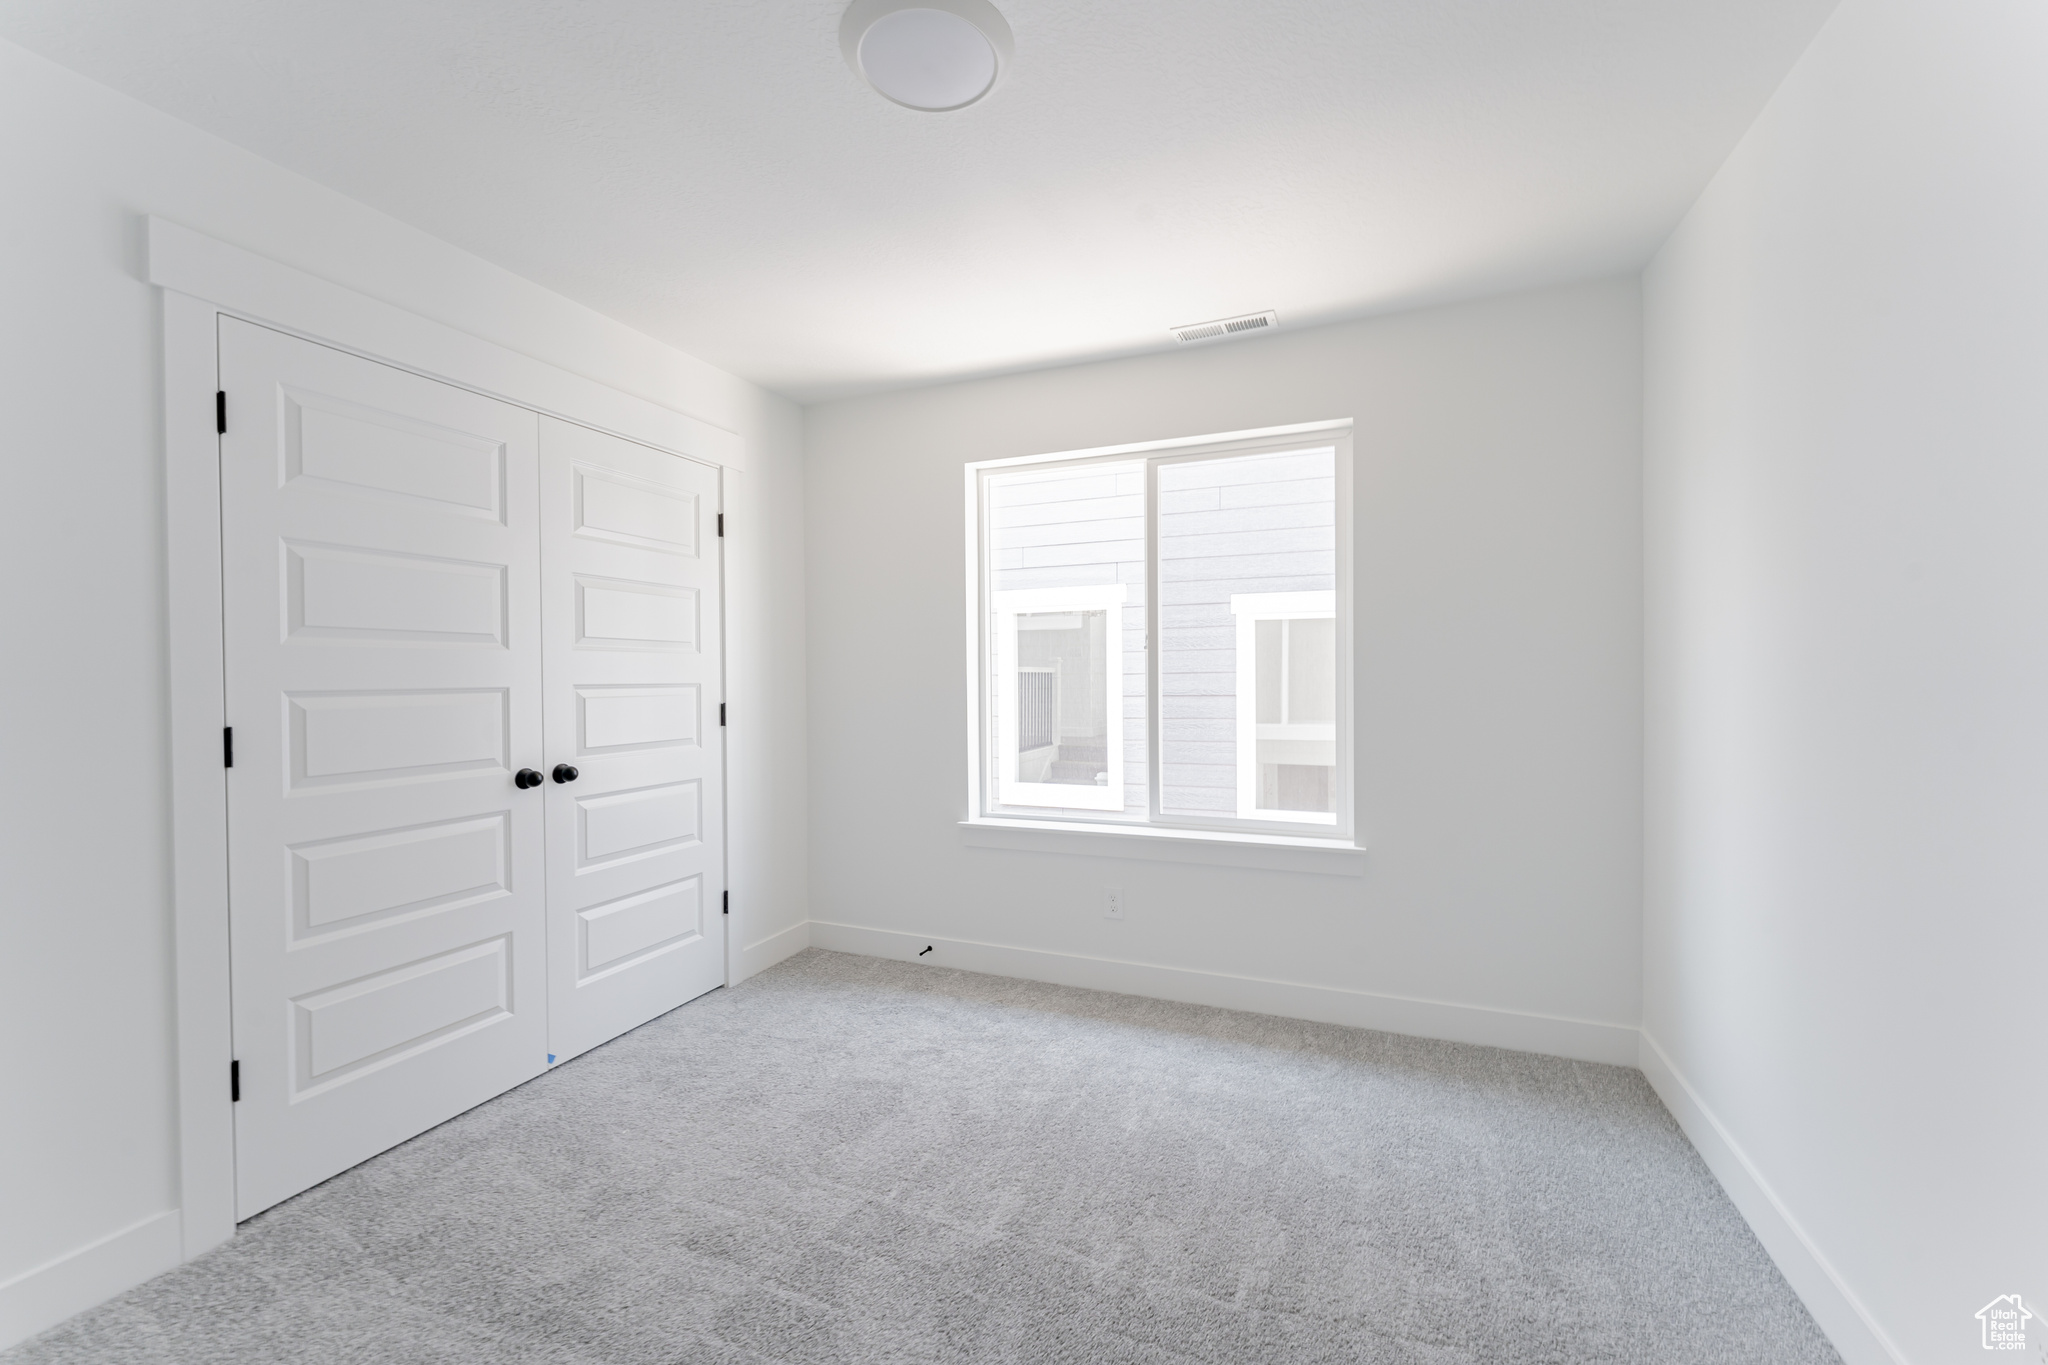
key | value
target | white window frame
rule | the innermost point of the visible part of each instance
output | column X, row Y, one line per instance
column 1296, row 829
column 1250, row 608
column 1008, row 606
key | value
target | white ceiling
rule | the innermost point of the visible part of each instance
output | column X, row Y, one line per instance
column 710, row 172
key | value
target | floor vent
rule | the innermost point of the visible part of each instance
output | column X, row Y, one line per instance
column 1226, row 327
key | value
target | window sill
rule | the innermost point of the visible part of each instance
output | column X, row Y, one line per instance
column 1273, row 852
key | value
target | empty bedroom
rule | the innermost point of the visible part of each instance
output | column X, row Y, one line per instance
column 780, row 682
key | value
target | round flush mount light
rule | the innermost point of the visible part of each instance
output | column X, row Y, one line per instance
column 932, row 55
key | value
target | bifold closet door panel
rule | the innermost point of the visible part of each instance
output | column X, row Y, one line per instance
column 381, row 593
column 630, row 616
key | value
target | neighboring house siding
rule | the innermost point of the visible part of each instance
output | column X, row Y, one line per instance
column 1067, row 528
column 1250, row 524
column 1254, row 524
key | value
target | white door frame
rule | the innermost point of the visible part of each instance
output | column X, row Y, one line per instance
column 203, row 280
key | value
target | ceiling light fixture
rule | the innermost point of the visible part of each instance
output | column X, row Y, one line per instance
column 931, row 55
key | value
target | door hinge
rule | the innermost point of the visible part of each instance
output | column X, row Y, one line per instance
column 234, row 1082
column 721, row 713
column 220, row 411
column 227, row 747
column 721, row 523
column 727, row 900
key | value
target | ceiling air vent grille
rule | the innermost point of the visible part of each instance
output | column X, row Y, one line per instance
column 1226, row 327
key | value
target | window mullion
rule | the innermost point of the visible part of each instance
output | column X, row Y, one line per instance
column 1153, row 721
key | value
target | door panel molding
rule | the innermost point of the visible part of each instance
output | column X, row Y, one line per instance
column 631, row 598
column 404, row 690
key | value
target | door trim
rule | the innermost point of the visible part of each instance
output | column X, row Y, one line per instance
column 204, row 280
column 258, row 289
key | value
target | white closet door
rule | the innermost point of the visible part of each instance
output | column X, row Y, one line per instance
column 636, row 865
column 380, row 543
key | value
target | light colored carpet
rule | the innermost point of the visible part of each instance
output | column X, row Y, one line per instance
column 853, row 1160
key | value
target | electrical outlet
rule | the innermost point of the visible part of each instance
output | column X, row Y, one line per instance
column 1113, row 902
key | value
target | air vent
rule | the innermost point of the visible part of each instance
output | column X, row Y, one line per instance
column 1226, row 327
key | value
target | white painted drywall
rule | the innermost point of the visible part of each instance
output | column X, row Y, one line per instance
column 1498, row 666
column 86, row 1126
column 1847, row 524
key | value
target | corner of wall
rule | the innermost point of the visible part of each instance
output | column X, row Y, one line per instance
column 754, row 958
column 1827, row 1296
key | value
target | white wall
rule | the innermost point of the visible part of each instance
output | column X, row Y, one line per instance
column 766, row 759
column 86, row 1124
column 1847, row 522
column 1499, row 653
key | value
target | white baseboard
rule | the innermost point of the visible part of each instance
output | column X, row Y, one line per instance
column 38, row 1299
column 1856, row 1335
column 1580, row 1039
column 759, row 956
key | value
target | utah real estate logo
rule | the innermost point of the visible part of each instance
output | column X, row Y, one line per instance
column 2005, row 1323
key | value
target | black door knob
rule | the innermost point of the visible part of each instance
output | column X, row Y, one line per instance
column 565, row 773
column 527, row 777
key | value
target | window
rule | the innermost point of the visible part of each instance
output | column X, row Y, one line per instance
column 1161, row 635
column 1286, row 705
column 1059, row 691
